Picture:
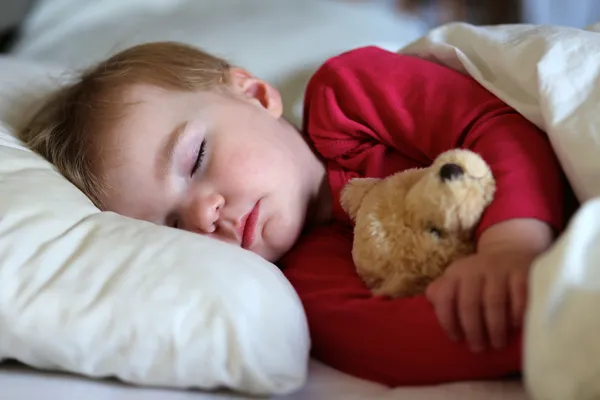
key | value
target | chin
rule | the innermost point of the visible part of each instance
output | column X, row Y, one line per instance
column 273, row 254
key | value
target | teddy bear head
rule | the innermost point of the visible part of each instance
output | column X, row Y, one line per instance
column 411, row 225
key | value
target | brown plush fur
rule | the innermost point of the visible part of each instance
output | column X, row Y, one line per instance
column 411, row 225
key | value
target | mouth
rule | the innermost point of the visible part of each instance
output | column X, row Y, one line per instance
column 247, row 228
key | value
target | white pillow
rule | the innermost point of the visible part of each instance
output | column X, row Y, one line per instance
column 551, row 75
column 101, row 295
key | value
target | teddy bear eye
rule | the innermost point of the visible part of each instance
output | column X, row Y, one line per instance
column 436, row 232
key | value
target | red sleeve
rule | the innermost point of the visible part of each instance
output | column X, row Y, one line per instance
column 374, row 112
column 394, row 342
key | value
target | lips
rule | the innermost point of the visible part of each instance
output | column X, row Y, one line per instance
column 247, row 228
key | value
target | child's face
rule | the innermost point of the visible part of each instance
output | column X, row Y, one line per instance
column 213, row 163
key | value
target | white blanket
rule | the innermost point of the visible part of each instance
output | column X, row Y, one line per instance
column 552, row 76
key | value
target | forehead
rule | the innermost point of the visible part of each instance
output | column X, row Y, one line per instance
column 145, row 94
column 139, row 126
column 129, row 149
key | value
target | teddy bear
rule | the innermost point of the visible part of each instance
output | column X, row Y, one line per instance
column 411, row 225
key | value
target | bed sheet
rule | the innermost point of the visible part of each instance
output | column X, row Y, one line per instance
column 21, row 383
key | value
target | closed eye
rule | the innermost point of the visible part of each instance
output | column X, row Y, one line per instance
column 198, row 163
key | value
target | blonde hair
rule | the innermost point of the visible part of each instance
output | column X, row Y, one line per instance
column 66, row 128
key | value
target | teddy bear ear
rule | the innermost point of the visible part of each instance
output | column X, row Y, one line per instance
column 354, row 192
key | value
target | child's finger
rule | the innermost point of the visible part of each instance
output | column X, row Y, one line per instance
column 518, row 299
column 496, row 303
column 470, row 310
column 442, row 293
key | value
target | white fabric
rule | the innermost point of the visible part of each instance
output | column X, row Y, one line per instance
column 324, row 384
column 560, row 12
column 551, row 75
column 547, row 73
column 101, row 295
column 282, row 41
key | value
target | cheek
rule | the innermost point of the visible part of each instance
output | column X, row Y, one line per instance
column 229, row 163
column 279, row 234
column 249, row 164
column 239, row 176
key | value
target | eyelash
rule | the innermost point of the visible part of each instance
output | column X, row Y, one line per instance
column 198, row 162
column 195, row 167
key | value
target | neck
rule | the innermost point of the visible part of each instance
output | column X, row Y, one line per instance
column 320, row 202
column 320, row 205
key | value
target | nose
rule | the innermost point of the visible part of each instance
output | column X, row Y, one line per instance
column 202, row 213
column 451, row 171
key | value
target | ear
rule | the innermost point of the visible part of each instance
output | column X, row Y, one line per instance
column 354, row 192
column 257, row 91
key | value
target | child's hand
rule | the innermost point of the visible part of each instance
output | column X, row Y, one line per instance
column 482, row 298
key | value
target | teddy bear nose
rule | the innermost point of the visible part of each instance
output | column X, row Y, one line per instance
column 451, row 171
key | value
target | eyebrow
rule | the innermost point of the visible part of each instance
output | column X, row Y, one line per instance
column 167, row 152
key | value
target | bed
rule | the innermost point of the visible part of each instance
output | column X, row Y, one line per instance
column 54, row 319
column 325, row 383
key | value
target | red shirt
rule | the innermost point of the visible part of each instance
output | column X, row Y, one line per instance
column 371, row 113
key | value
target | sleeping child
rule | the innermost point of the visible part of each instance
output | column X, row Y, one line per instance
column 166, row 133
